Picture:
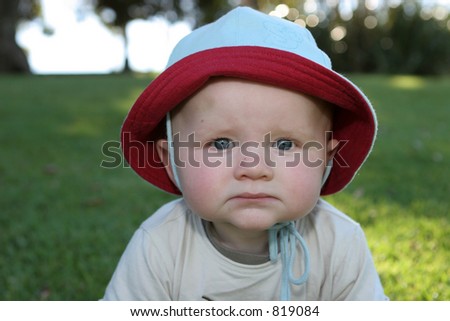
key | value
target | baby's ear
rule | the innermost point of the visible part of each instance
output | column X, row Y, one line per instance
column 332, row 148
column 162, row 147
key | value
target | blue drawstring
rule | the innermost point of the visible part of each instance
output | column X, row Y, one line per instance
column 171, row 149
column 288, row 236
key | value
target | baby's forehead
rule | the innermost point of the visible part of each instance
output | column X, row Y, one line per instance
column 223, row 89
column 224, row 104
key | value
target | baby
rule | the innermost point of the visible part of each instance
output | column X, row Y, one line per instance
column 251, row 126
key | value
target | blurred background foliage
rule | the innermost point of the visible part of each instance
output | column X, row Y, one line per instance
column 378, row 36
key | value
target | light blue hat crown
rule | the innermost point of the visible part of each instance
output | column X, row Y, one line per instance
column 247, row 27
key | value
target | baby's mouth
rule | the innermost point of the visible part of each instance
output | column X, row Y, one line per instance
column 254, row 197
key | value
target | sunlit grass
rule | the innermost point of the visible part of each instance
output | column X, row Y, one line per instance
column 407, row 82
column 401, row 195
column 64, row 221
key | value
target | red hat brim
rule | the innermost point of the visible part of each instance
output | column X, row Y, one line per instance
column 354, row 122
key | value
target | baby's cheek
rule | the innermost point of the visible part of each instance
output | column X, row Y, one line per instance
column 303, row 187
column 199, row 188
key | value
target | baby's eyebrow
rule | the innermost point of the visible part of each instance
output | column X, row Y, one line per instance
column 298, row 133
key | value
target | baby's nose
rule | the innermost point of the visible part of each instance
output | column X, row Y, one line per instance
column 252, row 163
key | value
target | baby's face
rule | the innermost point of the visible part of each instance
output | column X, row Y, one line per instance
column 250, row 154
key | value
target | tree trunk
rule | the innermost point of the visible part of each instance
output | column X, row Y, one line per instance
column 126, row 67
column 12, row 57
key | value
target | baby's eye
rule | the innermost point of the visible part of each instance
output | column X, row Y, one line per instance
column 284, row 144
column 222, row 143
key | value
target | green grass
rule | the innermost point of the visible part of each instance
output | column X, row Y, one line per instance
column 64, row 220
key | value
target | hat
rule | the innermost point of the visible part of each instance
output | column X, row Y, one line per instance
column 250, row 45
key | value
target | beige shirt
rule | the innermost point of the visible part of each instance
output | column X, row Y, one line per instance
column 171, row 257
